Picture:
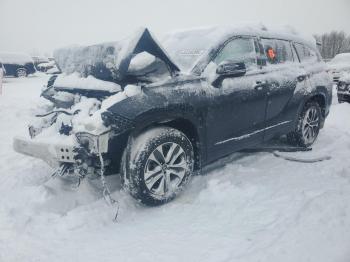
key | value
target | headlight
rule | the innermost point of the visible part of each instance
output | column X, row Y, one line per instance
column 117, row 122
column 94, row 143
column 87, row 140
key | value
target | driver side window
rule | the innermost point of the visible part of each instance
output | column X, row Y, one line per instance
column 238, row 50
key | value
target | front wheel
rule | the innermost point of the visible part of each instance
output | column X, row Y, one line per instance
column 157, row 164
column 21, row 72
column 308, row 127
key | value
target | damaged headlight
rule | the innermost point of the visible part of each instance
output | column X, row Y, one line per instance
column 94, row 143
column 117, row 122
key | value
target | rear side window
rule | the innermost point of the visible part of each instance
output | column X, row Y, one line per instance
column 277, row 51
column 239, row 50
column 305, row 53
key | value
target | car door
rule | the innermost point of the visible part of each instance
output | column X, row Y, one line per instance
column 285, row 75
column 236, row 108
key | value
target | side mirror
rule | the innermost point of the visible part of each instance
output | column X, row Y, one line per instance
column 228, row 69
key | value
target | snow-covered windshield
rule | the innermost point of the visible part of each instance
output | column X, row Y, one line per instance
column 186, row 47
column 341, row 58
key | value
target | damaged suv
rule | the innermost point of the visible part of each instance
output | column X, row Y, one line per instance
column 156, row 117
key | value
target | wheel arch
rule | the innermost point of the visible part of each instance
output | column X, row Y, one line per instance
column 319, row 98
column 21, row 68
column 182, row 124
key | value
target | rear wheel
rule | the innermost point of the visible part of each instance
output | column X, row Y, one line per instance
column 308, row 126
column 157, row 164
column 21, row 72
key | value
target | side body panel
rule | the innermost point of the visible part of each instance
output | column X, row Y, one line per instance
column 236, row 115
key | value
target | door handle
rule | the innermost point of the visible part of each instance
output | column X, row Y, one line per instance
column 259, row 85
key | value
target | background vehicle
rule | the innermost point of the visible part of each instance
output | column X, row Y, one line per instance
column 339, row 64
column 158, row 116
column 49, row 67
column 43, row 67
column 343, row 88
column 2, row 73
column 39, row 59
column 18, row 65
column 2, row 69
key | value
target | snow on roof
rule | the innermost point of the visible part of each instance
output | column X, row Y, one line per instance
column 184, row 46
column 215, row 34
column 15, row 58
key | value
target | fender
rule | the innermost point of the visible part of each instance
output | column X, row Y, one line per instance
column 319, row 91
column 144, row 111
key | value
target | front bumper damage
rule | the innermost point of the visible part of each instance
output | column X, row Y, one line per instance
column 80, row 157
column 53, row 154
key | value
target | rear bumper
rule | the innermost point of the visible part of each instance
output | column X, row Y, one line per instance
column 53, row 154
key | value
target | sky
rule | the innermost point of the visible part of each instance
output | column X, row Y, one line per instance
column 40, row 26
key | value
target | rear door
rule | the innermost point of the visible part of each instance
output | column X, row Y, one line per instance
column 236, row 109
column 285, row 75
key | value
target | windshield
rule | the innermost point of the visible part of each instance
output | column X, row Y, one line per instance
column 186, row 47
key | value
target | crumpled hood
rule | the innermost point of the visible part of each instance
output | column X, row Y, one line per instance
column 110, row 61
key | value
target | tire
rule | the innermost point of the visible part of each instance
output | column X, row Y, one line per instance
column 308, row 126
column 21, row 72
column 149, row 172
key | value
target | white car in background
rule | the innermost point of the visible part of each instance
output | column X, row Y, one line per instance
column 343, row 88
column 49, row 67
column 2, row 72
column 339, row 65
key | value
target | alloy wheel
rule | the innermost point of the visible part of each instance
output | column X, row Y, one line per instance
column 310, row 125
column 165, row 169
column 21, row 73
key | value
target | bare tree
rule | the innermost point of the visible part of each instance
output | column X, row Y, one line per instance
column 333, row 43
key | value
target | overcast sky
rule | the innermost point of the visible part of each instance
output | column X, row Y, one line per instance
column 43, row 25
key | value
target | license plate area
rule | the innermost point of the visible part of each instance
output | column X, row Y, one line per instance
column 65, row 154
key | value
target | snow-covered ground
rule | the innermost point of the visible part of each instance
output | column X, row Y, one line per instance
column 256, row 207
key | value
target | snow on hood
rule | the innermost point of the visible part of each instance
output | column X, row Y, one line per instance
column 75, row 81
column 340, row 62
column 341, row 58
column 345, row 78
column 15, row 58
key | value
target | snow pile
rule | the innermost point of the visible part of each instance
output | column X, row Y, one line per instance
column 15, row 58
column 74, row 81
column 140, row 61
column 94, row 60
column 102, row 60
